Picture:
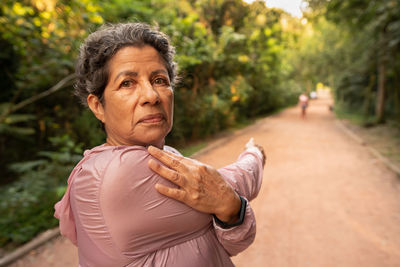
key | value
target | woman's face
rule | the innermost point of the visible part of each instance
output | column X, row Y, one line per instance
column 138, row 99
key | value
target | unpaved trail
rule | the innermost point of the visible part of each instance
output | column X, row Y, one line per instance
column 325, row 200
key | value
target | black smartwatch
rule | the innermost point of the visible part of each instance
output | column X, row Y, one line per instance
column 242, row 212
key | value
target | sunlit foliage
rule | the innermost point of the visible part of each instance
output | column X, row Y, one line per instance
column 358, row 43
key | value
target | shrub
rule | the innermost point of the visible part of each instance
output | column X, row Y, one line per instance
column 27, row 204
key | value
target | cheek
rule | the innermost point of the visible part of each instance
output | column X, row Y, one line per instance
column 169, row 97
column 170, row 104
column 120, row 112
column 117, row 111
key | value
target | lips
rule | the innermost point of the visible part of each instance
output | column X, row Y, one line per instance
column 152, row 118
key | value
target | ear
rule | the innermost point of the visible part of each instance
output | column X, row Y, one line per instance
column 96, row 107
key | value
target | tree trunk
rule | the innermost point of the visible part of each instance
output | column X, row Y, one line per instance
column 380, row 100
column 367, row 97
column 195, row 86
column 332, row 82
column 397, row 95
column 308, row 87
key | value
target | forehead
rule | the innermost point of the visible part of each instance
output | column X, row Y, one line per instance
column 136, row 58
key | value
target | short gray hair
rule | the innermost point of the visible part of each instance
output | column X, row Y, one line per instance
column 100, row 46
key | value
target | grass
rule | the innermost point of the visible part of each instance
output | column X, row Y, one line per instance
column 354, row 117
column 198, row 145
column 193, row 148
column 383, row 137
column 242, row 124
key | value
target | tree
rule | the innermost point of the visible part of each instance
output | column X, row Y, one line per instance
column 378, row 24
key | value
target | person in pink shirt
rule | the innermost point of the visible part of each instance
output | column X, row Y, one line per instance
column 303, row 102
column 134, row 201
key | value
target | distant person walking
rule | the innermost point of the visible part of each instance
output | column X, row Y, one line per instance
column 303, row 101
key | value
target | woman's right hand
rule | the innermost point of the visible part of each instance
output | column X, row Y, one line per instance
column 199, row 186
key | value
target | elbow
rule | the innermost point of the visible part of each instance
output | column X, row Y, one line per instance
column 235, row 249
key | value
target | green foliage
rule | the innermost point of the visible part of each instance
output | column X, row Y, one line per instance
column 189, row 150
column 230, row 55
column 358, row 44
column 343, row 111
column 87, row 129
column 7, row 127
column 44, row 36
column 27, row 204
column 39, row 41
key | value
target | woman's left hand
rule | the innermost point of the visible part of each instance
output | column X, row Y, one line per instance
column 200, row 186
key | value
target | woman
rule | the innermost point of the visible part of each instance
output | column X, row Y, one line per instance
column 303, row 102
column 133, row 201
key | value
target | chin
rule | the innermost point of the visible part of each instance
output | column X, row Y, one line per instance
column 155, row 138
column 157, row 141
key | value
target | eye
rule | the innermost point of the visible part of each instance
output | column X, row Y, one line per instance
column 126, row 83
column 161, row 81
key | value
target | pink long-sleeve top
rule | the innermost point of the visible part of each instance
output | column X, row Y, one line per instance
column 113, row 213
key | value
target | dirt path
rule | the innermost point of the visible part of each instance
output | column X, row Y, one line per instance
column 325, row 201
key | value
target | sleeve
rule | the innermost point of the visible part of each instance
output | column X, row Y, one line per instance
column 63, row 211
column 137, row 217
column 245, row 176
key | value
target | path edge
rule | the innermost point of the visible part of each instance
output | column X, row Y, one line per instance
column 372, row 150
column 227, row 137
column 25, row 249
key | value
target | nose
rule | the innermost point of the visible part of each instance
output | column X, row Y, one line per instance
column 149, row 95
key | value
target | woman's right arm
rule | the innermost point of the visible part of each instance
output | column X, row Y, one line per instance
column 245, row 176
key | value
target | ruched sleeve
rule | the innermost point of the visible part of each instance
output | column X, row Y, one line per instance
column 245, row 176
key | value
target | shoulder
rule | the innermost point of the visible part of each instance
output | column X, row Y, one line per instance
column 118, row 159
column 173, row 150
column 127, row 161
column 110, row 164
column 107, row 174
column 119, row 156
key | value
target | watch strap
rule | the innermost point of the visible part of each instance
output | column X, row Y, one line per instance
column 242, row 213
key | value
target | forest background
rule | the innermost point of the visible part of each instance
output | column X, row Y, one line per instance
column 238, row 61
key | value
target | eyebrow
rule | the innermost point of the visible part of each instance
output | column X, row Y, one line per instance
column 158, row 72
column 135, row 74
column 126, row 73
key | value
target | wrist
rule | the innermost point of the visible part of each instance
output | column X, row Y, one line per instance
column 230, row 212
column 237, row 219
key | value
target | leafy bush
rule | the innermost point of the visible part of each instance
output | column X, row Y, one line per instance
column 27, row 204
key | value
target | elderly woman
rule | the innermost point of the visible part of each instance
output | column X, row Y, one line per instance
column 134, row 201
